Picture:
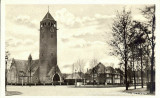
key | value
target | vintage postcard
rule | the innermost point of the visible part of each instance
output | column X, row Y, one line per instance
column 78, row 49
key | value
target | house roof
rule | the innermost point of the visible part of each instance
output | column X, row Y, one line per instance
column 73, row 76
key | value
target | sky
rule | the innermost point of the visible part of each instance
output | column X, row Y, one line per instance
column 83, row 31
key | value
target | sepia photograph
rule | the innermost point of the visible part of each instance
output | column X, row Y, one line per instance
column 80, row 49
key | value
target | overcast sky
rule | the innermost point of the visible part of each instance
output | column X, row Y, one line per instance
column 84, row 31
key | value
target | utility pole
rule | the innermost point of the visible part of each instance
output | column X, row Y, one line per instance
column 29, row 63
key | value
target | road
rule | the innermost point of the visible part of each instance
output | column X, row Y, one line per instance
column 66, row 91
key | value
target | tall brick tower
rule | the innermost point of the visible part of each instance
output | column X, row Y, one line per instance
column 48, row 46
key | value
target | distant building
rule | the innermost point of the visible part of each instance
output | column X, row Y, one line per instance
column 104, row 75
column 44, row 70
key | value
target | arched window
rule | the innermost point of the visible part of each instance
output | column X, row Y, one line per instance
column 49, row 23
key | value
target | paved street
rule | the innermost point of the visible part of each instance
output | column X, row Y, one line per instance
column 67, row 91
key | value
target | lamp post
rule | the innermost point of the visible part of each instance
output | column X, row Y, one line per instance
column 6, row 58
column 75, row 79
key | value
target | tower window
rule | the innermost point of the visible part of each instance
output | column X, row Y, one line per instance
column 54, row 25
column 42, row 35
column 51, row 35
column 49, row 23
column 51, row 54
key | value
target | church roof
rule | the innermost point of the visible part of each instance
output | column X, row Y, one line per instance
column 53, row 70
column 22, row 66
column 48, row 16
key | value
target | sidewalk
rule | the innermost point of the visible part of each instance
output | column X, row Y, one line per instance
column 139, row 91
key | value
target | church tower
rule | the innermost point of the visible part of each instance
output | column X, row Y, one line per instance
column 48, row 46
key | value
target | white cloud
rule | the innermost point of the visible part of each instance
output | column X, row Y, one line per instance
column 70, row 20
column 26, row 20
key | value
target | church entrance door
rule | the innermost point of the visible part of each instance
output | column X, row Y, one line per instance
column 56, row 78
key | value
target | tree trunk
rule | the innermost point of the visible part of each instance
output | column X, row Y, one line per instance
column 134, row 72
column 141, row 66
column 152, row 59
column 125, row 54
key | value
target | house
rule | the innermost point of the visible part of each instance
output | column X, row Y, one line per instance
column 100, row 74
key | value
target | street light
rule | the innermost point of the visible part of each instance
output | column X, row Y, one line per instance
column 6, row 58
column 75, row 78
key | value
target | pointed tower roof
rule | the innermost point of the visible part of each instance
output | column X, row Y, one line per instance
column 48, row 16
column 30, row 57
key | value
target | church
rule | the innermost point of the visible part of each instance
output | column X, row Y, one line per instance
column 45, row 69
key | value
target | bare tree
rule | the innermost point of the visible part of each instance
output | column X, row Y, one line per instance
column 80, row 63
column 149, row 13
column 121, row 38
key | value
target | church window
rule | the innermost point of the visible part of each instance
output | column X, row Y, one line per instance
column 51, row 35
column 49, row 23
